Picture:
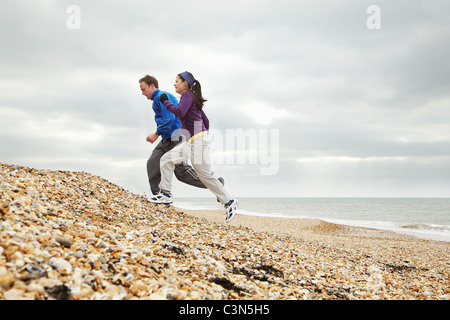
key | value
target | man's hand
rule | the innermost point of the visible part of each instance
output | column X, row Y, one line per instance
column 152, row 137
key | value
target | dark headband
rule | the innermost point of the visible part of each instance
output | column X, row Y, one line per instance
column 186, row 76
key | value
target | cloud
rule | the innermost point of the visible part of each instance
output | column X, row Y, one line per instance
column 347, row 101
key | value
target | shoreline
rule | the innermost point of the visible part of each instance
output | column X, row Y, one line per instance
column 375, row 215
column 301, row 227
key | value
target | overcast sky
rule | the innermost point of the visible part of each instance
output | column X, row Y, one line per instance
column 359, row 103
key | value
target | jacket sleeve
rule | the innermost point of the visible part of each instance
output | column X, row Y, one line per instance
column 180, row 111
column 164, row 119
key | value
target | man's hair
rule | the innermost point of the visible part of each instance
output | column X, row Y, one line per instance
column 150, row 80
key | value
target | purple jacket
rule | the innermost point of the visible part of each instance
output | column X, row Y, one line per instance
column 192, row 119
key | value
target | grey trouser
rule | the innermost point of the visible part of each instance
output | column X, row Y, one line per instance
column 200, row 155
column 184, row 172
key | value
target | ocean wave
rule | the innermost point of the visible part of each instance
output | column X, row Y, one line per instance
column 342, row 211
column 426, row 226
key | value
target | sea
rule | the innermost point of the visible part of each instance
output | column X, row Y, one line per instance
column 427, row 218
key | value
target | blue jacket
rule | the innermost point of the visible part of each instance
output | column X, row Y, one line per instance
column 166, row 121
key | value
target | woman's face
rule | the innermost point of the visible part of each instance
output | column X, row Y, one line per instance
column 180, row 85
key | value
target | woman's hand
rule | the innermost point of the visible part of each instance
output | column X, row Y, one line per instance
column 163, row 98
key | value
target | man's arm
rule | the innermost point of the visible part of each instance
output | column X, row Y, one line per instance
column 152, row 137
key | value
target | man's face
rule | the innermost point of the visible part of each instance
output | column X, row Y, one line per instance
column 147, row 90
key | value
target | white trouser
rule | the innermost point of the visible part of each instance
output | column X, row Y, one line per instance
column 198, row 151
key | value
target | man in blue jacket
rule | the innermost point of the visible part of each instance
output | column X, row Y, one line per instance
column 167, row 126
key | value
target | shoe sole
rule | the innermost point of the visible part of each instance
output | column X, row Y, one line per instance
column 235, row 204
column 160, row 202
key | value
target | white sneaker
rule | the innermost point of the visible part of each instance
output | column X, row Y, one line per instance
column 162, row 197
column 230, row 210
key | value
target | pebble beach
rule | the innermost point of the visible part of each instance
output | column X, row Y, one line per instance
column 75, row 236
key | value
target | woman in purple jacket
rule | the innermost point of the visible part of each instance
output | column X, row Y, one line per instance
column 196, row 147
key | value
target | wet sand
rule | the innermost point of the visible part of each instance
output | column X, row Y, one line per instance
column 311, row 229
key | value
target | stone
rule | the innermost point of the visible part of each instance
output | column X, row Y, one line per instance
column 87, row 234
column 73, row 235
column 61, row 265
column 63, row 241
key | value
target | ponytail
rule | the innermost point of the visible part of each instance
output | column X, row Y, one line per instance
column 195, row 88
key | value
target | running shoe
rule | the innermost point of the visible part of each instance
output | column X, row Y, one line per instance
column 162, row 197
column 230, row 209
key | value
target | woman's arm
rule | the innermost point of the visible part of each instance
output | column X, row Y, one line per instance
column 185, row 103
